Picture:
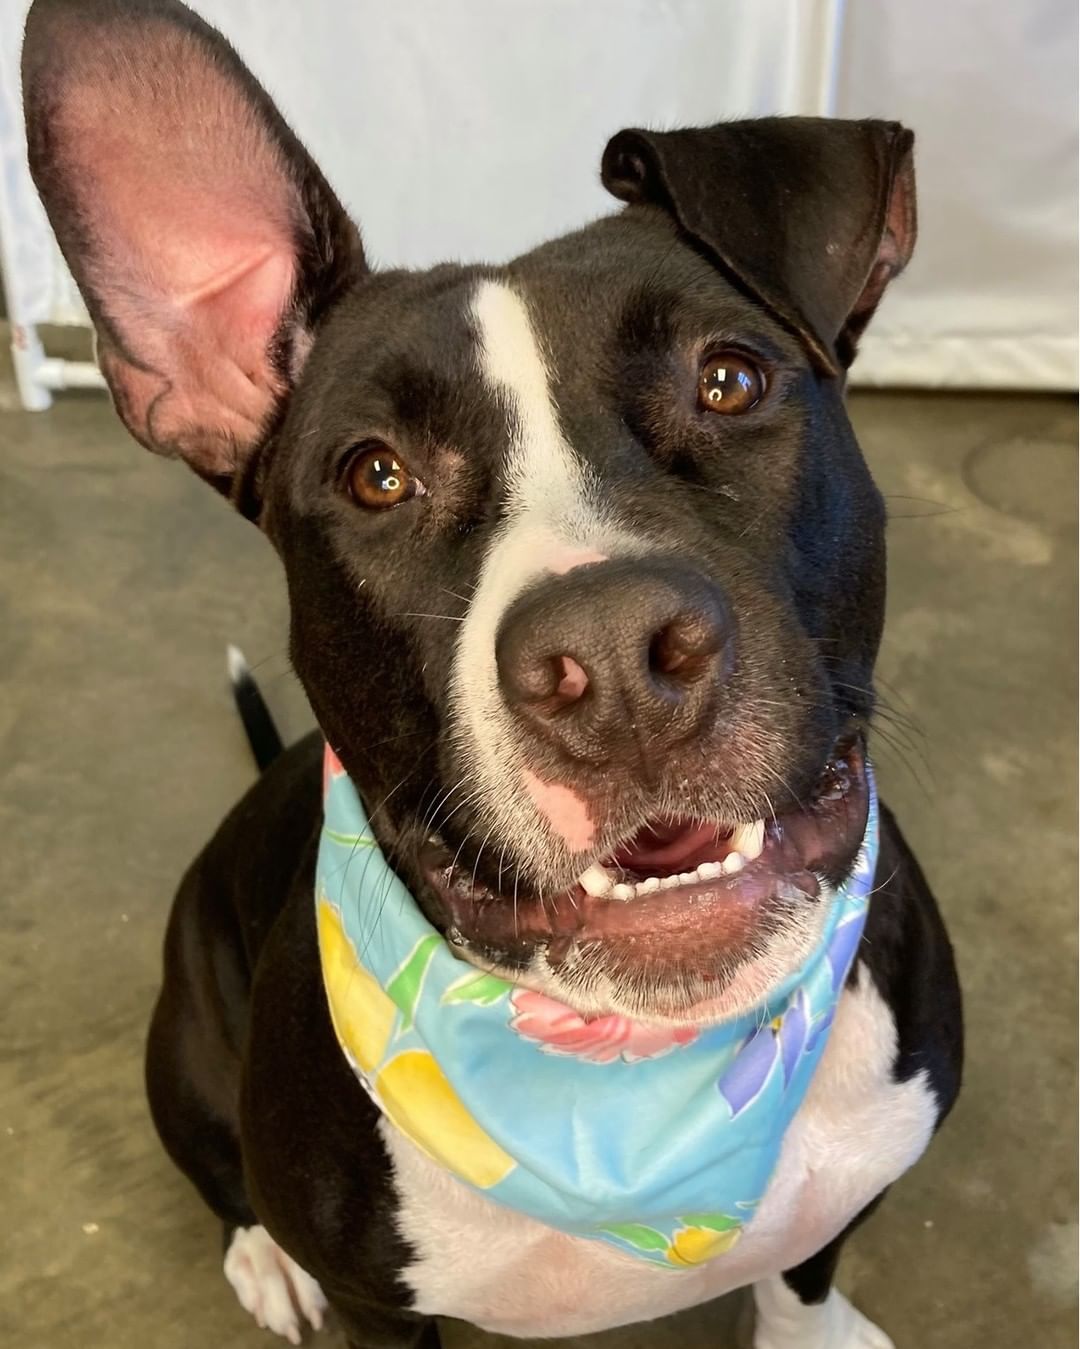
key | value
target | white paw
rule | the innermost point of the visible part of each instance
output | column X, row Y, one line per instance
column 783, row 1322
column 851, row 1329
column 271, row 1285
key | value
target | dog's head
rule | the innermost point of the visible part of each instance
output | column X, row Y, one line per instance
column 586, row 569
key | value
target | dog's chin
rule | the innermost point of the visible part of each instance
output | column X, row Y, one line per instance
column 676, row 924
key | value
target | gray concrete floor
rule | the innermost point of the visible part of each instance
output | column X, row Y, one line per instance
column 121, row 580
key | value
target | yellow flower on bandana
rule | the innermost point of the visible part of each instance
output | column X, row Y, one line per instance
column 702, row 1237
column 416, row 1096
column 411, row 1089
column 696, row 1245
column 363, row 1015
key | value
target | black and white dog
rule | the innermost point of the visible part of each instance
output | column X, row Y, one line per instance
column 622, row 463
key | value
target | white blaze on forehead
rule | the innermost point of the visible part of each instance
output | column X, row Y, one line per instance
column 512, row 362
column 552, row 522
column 542, row 470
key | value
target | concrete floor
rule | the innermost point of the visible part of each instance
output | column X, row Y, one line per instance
column 122, row 579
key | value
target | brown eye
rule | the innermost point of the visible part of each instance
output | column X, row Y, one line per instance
column 730, row 382
column 377, row 479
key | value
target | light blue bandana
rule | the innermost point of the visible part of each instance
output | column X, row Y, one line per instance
column 658, row 1139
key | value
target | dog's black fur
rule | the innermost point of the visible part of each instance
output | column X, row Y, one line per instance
column 776, row 237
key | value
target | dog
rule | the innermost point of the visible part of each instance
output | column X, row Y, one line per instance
column 586, row 577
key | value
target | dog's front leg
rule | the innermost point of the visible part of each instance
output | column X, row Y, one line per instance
column 371, row 1327
column 800, row 1309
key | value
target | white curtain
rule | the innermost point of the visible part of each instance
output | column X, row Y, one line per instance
column 990, row 90
column 473, row 129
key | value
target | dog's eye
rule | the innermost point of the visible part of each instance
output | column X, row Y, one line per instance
column 730, row 382
column 377, row 478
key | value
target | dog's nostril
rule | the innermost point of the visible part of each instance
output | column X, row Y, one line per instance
column 571, row 677
column 681, row 648
column 555, row 680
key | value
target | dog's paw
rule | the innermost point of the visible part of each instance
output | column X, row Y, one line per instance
column 271, row 1285
column 850, row 1329
column 783, row 1322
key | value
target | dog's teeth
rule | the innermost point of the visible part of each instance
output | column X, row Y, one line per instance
column 599, row 882
column 595, row 881
column 749, row 839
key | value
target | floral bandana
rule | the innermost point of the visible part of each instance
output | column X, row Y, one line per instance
column 657, row 1139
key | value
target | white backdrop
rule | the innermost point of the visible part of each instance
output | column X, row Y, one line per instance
column 473, row 128
column 990, row 88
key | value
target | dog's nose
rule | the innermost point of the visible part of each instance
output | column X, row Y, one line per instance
column 616, row 657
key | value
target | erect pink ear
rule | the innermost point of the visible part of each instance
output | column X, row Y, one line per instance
column 205, row 241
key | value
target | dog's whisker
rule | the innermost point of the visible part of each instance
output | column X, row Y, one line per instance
column 439, row 803
column 395, row 739
column 476, row 863
column 469, row 799
column 468, row 837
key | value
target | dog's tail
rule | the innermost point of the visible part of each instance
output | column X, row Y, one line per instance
column 262, row 734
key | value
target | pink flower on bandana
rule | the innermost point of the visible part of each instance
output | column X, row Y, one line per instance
column 331, row 768
column 559, row 1030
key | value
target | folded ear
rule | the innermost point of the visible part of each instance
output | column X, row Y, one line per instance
column 203, row 238
column 809, row 215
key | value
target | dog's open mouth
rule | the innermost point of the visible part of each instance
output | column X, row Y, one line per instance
column 682, row 893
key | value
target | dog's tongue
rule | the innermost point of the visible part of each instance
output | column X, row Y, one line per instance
column 665, row 846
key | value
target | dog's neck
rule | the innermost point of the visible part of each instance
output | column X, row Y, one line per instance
column 658, row 1139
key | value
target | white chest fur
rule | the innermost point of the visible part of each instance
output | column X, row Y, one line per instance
column 856, row 1132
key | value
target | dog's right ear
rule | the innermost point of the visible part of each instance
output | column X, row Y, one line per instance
column 811, row 216
column 206, row 243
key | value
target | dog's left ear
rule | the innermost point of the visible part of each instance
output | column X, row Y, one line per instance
column 812, row 216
